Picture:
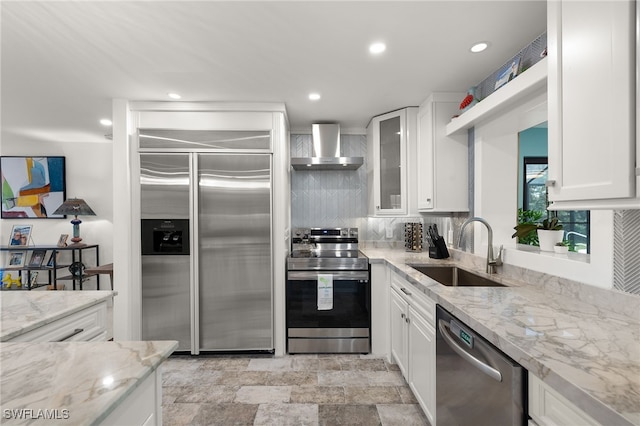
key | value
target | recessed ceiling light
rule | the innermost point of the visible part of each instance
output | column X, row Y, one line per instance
column 174, row 95
column 377, row 48
column 314, row 96
column 106, row 122
column 479, row 47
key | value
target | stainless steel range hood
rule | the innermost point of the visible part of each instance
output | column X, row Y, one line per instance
column 326, row 151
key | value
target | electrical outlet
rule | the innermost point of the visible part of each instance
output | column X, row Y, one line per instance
column 389, row 232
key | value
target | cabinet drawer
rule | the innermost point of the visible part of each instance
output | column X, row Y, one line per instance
column 548, row 408
column 88, row 324
column 420, row 301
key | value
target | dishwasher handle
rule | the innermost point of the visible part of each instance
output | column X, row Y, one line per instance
column 443, row 326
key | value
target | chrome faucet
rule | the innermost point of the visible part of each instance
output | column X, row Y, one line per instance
column 492, row 262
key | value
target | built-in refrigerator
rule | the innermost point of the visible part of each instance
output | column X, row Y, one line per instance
column 217, row 295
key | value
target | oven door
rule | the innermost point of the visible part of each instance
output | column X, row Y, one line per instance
column 343, row 328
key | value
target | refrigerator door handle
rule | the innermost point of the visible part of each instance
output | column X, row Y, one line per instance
column 443, row 327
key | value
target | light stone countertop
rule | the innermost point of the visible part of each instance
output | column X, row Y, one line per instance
column 82, row 381
column 582, row 341
column 22, row 311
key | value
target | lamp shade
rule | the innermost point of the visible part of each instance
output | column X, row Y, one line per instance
column 76, row 207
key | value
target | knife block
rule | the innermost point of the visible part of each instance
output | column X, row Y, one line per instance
column 440, row 250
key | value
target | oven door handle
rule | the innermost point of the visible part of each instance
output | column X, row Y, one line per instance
column 337, row 275
column 486, row 369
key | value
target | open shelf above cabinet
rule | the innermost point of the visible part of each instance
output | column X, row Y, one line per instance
column 530, row 81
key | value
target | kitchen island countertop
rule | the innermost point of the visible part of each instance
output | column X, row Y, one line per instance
column 584, row 343
column 23, row 311
column 73, row 382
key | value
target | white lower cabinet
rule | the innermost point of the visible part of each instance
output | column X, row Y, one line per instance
column 548, row 408
column 89, row 324
column 143, row 407
column 413, row 341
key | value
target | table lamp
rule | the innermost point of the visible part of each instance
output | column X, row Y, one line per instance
column 76, row 207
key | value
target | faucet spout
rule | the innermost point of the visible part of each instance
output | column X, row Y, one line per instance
column 492, row 262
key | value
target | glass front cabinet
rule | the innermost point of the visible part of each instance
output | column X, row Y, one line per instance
column 388, row 138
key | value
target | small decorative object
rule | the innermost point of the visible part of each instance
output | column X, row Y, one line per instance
column 34, row 279
column 37, row 256
column 76, row 207
column 469, row 100
column 77, row 269
column 507, row 73
column 53, row 258
column 561, row 247
column 62, row 241
column 17, row 258
column 413, row 236
column 20, row 235
column 8, row 281
column 32, row 186
column 549, row 232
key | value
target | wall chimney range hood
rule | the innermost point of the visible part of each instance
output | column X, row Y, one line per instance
column 326, row 151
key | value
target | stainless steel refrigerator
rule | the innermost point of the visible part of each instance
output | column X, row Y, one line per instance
column 219, row 296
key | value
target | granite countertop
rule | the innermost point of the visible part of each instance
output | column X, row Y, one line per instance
column 22, row 311
column 80, row 382
column 582, row 341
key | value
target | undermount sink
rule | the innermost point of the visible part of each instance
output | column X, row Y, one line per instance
column 454, row 276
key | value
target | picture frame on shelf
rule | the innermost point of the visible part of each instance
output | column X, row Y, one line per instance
column 20, row 235
column 507, row 73
column 32, row 187
column 62, row 241
column 34, row 279
column 52, row 257
column 37, row 257
column 16, row 259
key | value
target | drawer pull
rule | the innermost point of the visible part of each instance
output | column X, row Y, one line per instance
column 404, row 290
column 70, row 335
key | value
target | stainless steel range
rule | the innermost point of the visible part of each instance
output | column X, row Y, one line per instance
column 328, row 293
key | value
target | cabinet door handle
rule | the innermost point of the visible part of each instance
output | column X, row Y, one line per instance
column 70, row 335
column 404, row 290
column 550, row 182
column 402, row 315
column 407, row 320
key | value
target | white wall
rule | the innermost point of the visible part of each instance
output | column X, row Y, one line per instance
column 496, row 200
column 88, row 176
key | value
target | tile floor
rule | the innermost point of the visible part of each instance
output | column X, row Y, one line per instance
column 321, row 390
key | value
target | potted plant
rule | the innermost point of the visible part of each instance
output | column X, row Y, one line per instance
column 549, row 232
column 561, row 247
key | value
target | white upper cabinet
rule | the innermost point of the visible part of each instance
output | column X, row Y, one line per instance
column 442, row 161
column 391, row 140
column 592, row 104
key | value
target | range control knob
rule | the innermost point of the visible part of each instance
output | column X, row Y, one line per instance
column 353, row 233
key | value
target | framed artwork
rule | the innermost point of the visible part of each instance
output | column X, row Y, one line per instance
column 37, row 257
column 20, row 235
column 32, row 187
column 17, row 258
column 507, row 73
column 52, row 258
column 62, row 241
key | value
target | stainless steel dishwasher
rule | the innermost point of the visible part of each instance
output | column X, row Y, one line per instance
column 476, row 384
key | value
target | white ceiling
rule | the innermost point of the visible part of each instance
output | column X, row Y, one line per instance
column 63, row 62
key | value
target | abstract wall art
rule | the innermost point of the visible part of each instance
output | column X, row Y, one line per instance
column 32, row 187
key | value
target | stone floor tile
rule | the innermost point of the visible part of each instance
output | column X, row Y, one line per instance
column 179, row 414
column 287, row 415
column 343, row 378
column 385, row 378
column 263, row 394
column 207, row 394
column 402, row 415
column 348, row 415
column 224, row 415
column 242, row 378
column 290, row 378
column 407, row 395
column 188, row 377
column 273, row 364
column 317, row 394
column 358, row 364
column 391, row 366
column 371, row 395
column 305, row 364
column 328, row 364
column 225, row 364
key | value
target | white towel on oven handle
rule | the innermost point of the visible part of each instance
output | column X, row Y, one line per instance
column 325, row 292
